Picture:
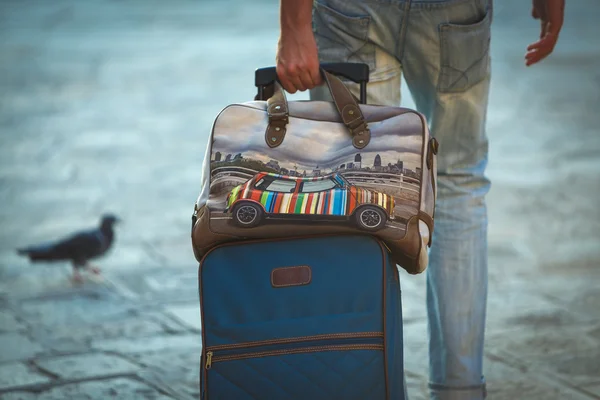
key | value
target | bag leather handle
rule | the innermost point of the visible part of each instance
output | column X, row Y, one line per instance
column 345, row 102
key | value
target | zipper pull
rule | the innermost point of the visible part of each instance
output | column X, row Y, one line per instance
column 209, row 359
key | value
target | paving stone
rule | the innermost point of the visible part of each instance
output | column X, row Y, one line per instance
column 593, row 389
column 528, row 345
column 187, row 314
column 578, row 368
column 125, row 326
column 413, row 286
column 416, row 348
column 64, row 346
column 581, row 299
column 586, row 301
column 513, row 306
column 86, row 365
column 416, row 386
column 541, row 319
column 8, row 323
column 169, row 325
column 162, row 284
column 73, row 310
column 148, row 344
column 531, row 389
column 17, row 347
column 19, row 396
column 594, row 332
column 506, row 382
column 176, row 368
column 117, row 389
column 413, row 308
column 18, row 374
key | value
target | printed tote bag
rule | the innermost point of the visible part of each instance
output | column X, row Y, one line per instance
column 275, row 169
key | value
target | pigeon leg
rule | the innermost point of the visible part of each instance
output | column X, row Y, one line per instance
column 96, row 273
column 76, row 278
column 93, row 269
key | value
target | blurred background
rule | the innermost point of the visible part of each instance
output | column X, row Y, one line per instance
column 107, row 105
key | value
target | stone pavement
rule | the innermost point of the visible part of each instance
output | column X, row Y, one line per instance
column 108, row 106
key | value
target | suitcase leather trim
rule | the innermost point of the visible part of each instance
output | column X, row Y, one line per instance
column 291, row 276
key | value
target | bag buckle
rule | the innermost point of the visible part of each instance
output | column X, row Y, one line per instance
column 278, row 112
column 358, row 127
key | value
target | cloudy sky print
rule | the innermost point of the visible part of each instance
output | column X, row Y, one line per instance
column 309, row 143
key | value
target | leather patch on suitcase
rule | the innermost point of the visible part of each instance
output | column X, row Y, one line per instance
column 291, row 276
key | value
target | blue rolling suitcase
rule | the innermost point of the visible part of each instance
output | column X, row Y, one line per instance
column 301, row 318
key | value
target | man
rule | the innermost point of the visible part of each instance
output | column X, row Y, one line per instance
column 442, row 48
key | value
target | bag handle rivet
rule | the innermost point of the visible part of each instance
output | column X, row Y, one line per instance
column 351, row 112
column 277, row 129
column 278, row 107
column 273, row 139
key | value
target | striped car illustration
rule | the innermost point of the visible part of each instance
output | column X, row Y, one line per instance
column 312, row 198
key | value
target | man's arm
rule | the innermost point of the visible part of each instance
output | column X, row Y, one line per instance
column 551, row 13
column 297, row 58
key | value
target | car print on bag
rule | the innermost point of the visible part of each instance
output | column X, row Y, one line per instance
column 312, row 198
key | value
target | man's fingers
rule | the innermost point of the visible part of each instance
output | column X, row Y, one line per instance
column 537, row 52
column 306, row 80
column 551, row 14
column 288, row 78
column 548, row 41
column 296, row 79
column 315, row 76
column 532, row 58
column 300, row 74
column 297, row 82
column 287, row 85
column 284, row 80
column 536, row 45
column 317, row 79
column 535, row 57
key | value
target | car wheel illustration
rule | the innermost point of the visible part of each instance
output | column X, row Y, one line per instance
column 247, row 214
column 370, row 218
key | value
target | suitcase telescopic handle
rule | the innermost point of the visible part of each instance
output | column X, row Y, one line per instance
column 356, row 72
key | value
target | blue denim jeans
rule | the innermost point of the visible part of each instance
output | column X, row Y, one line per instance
column 442, row 48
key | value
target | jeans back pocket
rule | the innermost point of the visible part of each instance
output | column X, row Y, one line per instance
column 464, row 54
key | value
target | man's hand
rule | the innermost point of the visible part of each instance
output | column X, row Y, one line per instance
column 297, row 56
column 551, row 14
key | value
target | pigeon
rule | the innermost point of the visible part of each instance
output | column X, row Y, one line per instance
column 78, row 248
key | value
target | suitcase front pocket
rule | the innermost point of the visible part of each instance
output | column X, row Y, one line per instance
column 323, row 366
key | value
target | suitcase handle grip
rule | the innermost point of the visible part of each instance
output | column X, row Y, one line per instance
column 356, row 72
column 345, row 102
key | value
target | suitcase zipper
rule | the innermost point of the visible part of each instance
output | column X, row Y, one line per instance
column 278, row 347
column 210, row 358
